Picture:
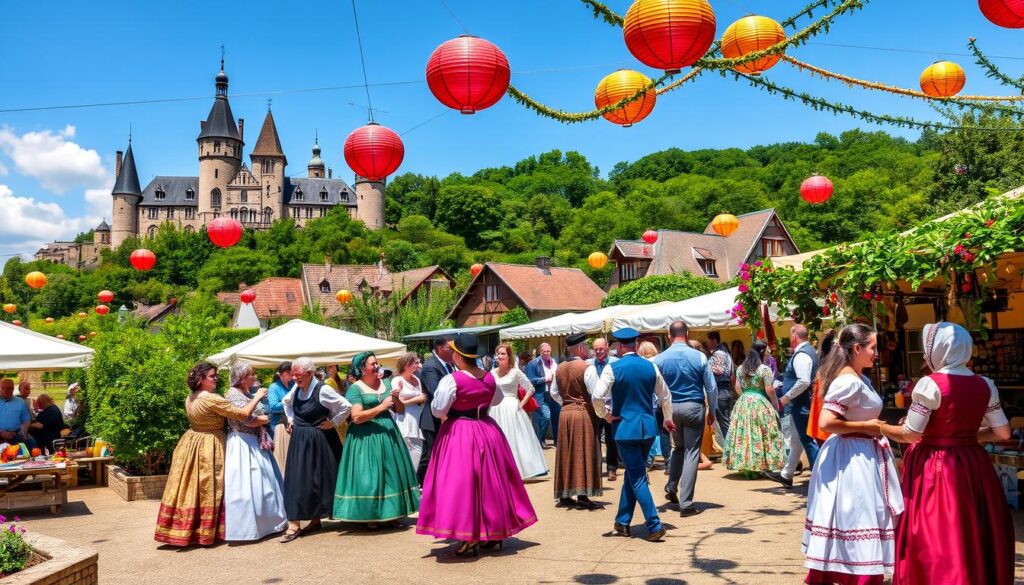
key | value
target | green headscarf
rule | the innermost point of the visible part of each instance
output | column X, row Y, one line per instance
column 358, row 363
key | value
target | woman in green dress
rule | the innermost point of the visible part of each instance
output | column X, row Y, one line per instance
column 376, row 481
column 755, row 442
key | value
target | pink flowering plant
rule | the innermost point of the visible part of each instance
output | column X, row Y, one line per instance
column 14, row 551
column 853, row 280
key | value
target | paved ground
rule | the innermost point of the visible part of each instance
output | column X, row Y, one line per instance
column 749, row 532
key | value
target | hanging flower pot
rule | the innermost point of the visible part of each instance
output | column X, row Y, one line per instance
column 142, row 259
column 374, row 151
column 669, row 34
column 620, row 85
column 749, row 35
column 224, row 232
column 468, row 74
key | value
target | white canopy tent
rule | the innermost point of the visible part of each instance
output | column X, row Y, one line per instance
column 601, row 320
column 703, row 312
column 24, row 349
column 550, row 327
column 298, row 338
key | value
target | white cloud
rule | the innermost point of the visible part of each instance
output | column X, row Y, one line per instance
column 57, row 162
column 26, row 224
column 99, row 200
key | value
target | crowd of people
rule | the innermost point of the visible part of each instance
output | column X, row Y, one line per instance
column 453, row 442
column 37, row 422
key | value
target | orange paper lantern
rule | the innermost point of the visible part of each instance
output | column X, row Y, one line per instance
column 943, row 79
column 102, row 309
column 10, row 308
column 751, row 34
column 669, row 34
column 344, row 297
column 476, row 269
column 597, row 260
column 35, row 279
column 82, row 315
column 725, row 224
column 620, row 85
column 92, row 334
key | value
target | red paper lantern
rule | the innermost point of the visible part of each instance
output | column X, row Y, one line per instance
column 102, row 309
column 60, row 337
column 224, row 232
column 669, row 34
column 105, row 296
column 142, row 259
column 374, row 151
column 82, row 338
column 816, row 190
column 468, row 74
column 650, row 236
column 476, row 269
column 16, row 323
column 1004, row 13
column 247, row 296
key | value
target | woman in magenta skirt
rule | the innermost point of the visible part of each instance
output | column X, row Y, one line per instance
column 472, row 491
column 956, row 528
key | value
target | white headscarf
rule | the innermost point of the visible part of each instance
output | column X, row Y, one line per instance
column 946, row 345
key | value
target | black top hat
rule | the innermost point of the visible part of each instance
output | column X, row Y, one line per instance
column 465, row 344
column 575, row 339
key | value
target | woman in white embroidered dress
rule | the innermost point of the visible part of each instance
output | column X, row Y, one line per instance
column 410, row 392
column 512, row 419
column 854, row 495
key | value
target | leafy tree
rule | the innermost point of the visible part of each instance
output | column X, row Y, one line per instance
column 660, row 287
column 228, row 268
column 390, row 317
column 468, row 211
column 85, row 237
column 513, row 317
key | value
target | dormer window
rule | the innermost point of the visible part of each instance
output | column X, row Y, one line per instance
column 323, row 194
column 325, row 287
column 160, row 195
column 190, row 195
column 706, row 262
column 298, row 194
column 708, row 267
column 343, row 195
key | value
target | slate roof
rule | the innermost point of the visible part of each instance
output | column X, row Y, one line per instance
column 275, row 297
column 311, row 188
column 174, row 189
column 103, row 227
column 128, row 179
column 221, row 122
column 268, row 143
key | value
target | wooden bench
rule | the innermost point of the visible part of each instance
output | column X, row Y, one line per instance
column 97, row 469
column 34, row 488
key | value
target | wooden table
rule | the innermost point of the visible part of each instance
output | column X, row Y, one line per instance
column 52, row 493
column 97, row 468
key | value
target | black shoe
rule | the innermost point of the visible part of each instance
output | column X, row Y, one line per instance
column 672, row 496
column 584, row 503
column 799, row 468
column 621, row 529
column 656, row 535
column 490, row 544
column 691, row 511
column 468, row 549
column 566, row 503
column 775, row 476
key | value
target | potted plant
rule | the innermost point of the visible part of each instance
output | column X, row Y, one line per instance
column 34, row 559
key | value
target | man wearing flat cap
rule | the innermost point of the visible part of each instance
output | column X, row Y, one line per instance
column 629, row 383
column 577, row 450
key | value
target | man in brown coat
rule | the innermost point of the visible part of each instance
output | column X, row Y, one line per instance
column 578, row 453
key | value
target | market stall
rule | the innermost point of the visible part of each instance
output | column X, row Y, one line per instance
column 24, row 349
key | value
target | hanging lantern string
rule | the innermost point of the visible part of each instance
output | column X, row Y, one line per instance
column 362, row 61
column 990, row 68
column 611, row 17
column 962, row 100
column 821, row 104
column 454, row 16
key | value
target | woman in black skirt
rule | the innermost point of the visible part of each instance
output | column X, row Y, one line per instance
column 313, row 410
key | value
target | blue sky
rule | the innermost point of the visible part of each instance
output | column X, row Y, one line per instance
column 56, row 166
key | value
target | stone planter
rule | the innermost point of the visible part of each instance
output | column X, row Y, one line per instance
column 135, row 487
column 66, row 564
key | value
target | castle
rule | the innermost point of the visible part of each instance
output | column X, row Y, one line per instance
column 255, row 196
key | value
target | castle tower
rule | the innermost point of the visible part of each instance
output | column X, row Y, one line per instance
column 370, row 202
column 101, row 235
column 316, row 164
column 268, row 163
column 220, row 152
column 127, row 194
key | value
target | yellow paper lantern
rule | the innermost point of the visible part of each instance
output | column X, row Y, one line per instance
column 82, row 315
column 620, row 85
column 35, row 279
column 943, row 79
column 48, row 320
column 748, row 35
column 344, row 296
column 597, row 260
column 725, row 224
column 10, row 308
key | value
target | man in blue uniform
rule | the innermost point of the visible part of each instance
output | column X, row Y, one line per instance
column 629, row 384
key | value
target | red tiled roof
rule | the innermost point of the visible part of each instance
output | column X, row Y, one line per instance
column 553, row 289
column 275, row 297
column 352, row 276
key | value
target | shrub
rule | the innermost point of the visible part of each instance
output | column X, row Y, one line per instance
column 660, row 287
column 14, row 551
column 516, row 316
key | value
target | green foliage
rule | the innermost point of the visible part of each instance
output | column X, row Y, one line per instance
column 516, row 316
column 660, row 287
column 388, row 318
column 227, row 269
column 469, row 211
column 14, row 551
column 85, row 237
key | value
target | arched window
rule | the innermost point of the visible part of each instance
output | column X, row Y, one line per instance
column 323, row 194
column 151, row 232
column 190, row 195
column 244, row 197
column 268, row 214
column 234, row 214
column 325, row 287
column 298, row 194
column 215, row 198
column 252, row 215
column 244, row 214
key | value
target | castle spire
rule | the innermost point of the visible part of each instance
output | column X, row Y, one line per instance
column 127, row 182
column 268, row 143
column 316, row 164
column 221, row 122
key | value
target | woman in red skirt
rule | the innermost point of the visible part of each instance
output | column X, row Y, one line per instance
column 956, row 528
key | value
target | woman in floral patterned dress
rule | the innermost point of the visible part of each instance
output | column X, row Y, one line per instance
column 754, row 443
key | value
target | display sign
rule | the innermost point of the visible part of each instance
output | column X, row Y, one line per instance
column 1000, row 357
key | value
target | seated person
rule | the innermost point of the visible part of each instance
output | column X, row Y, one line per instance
column 14, row 417
column 48, row 424
column 72, row 405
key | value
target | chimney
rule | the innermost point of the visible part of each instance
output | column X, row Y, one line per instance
column 330, row 172
column 543, row 262
column 241, row 129
column 117, row 164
